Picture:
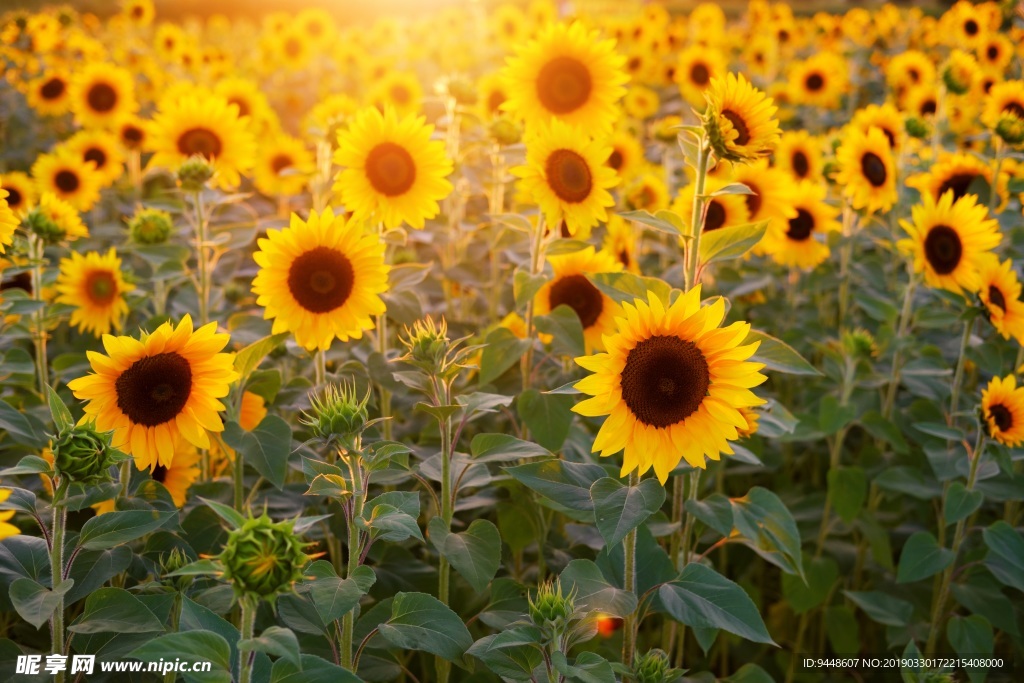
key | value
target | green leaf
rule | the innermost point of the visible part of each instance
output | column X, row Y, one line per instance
column 422, row 622
column 749, row 673
column 388, row 523
column 266, row 448
column 512, row 653
column 20, row 500
column 922, row 556
column 884, row 430
column 731, row 242
column 206, row 567
column 821, row 573
column 233, row 517
column 940, row 430
column 62, row 419
column 475, row 553
column 191, row 646
column 626, row 287
column 277, row 641
column 249, row 358
column 733, row 188
column 703, row 598
column 332, row 596
column 503, row 350
column 312, row 669
column 548, row 417
column 618, row 509
column 832, row 417
column 1005, row 554
column 960, row 503
column 567, row 483
column 594, row 592
column 848, row 487
column 115, row 528
column 439, row 413
column 778, row 355
column 663, row 221
column 882, row 607
column 34, row 602
column 769, row 529
column 589, row 667
column 564, row 246
column 526, row 286
column 715, row 511
column 115, row 610
column 30, row 464
column 504, row 448
column 971, row 637
column 22, row 428
column 404, row 276
column 563, row 324
column 843, row 629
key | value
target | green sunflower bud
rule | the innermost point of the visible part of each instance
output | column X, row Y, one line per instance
column 49, row 230
column 263, row 558
column 957, row 82
column 84, row 456
column 859, row 344
column 428, row 344
column 1011, row 129
column 194, row 174
column 506, row 132
column 172, row 562
column 551, row 608
column 150, row 226
column 917, row 127
column 462, row 90
column 653, row 667
column 339, row 415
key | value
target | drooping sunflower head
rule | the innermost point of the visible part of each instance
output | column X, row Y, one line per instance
column 570, row 287
column 569, row 73
column 392, row 171
column 321, row 279
column 54, row 220
column 867, row 170
column 960, row 72
column 951, row 240
column 799, row 241
column 740, row 119
column 205, row 125
column 567, row 175
column 94, row 284
column 101, row 94
column 1002, row 409
column 1000, row 294
column 152, row 389
column 672, row 383
column 69, row 177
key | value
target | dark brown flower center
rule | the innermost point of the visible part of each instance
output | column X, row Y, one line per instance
column 101, row 97
column 958, row 183
column 753, row 200
column 664, row 381
column 890, row 136
column 1002, row 416
column 53, row 89
column 281, row 162
column 814, row 82
column 743, row 133
column 154, row 389
column 100, row 287
column 971, row 27
column 66, row 181
column 700, row 74
column 615, row 159
column 13, row 197
column 1015, row 108
column 992, row 52
column 928, row 107
column 996, row 298
column 801, row 166
column 495, row 100
column 132, row 135
column 96, row 156
column 390, row 169
column 564, row 85
column 321, row 279
column 243, row 106
column 201, row 141
column 577, row 292
column 800, row 227
column 568, row 175
column 159, row 474
column 943, row 249
column 715, row 217
column 873, row 168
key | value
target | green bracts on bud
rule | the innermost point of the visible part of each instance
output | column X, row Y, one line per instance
column 44, row 227
column 84, row 456
column 263, row 558
column 150, row 226
column 194, row 174
column 551, row 609
column 337, row 416
column 653, row 667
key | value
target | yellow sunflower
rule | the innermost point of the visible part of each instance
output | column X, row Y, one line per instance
column 567, row 72
column 959, row 173
column 800, row 153
column 818, row 81
column 620, row 241
column 8, row 222
column 151, row 390
column 627, row 155
column 6, row 528
column 741, row 120
column 139, row 12
column 695, row 67
column 1004, row 98
column 131, row 131
column 94, row 285
column 206, row 125
column 56, row 220
column 867, row 172
column 247, row 96
column 21, row 191
column 492, row 93
column 101, row 94
column 672, row 384
column 570, row 287
column 321, row 279
column 800, row 241
column 399, row 90
column 566, row 174
column 910, row 69
column 996, row 52
column 920, row 101
column 68, row 177
column 392, row 171
column 102, row 148
column 283, row 166
column 951, row 241
column 771, row 186
column 50, row 94
column 723, row 211
column 886, row 118
column 509, row 26
column 1002, row 406
column 179, row 475
column 646, row 192
column 1000, row 293
column 641, row 102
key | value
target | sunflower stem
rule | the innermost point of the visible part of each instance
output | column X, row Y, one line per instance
column 201, row 259
column 57, row 572
column 36, row 249
column 629, row 584
column 958, row 376
column 536, row 265
column 442, row 666
column 320, row 367
column 697, row 216
column 354, row 552
column 993, row 191
column 248, row 625
column 897, row 357
column 942, row 596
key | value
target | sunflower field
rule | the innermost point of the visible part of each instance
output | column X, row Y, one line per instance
column 513, row 341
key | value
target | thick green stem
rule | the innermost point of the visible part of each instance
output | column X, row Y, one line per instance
column 203, row 263
column 697, row 216
column 57, row 574
column 941, row 597
column 958, row 376
column 36, row 249
column 443, row 666
column 248, row 625
column 536, row 265
column 629, row 584
column 355, row 550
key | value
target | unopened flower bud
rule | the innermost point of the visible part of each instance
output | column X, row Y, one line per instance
column 551, row 608
column 194, row 174
column 150, row 226
column 1011, row 129
column 652, row 667
column 338, row 415
column 263, row 558
column 916, row 127
column 428, row 344
column 506, row 131
column 83, row 455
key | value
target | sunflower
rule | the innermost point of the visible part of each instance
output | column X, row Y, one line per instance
column 695, row 67
column 321, row 279
column 283, row 166
column 566, row 174
column 182, row 471
column 672, row 384
column 960, row 173
column 399, row 90
column 867, row 172
column 247, row 96
column 1002, row 407
column 723, row 211
column 509, row 26
column 94, row 285
column 60, row 221
column 291, row 48
column 640, row 102
column 492, row 93
column 740, row 119
column 819, row 80
column 567, row 72
column 647, row 192
column 910, row 69
column 771, row 191
column 151, row 390
column 799, row 241
column 21, row 191
column 68, row 177
column 627, row 154
column 800, row 153
column 50, row 94
column 570, row 287
column 1000, row 294
column 392, row 171
column 102, row 149
column 101, row 94
column 951, row 241
column 920, row 101
column 131, row 131
column 8, row 221
column 1004, row 98
column 6, row 528
column 966, row 25
column 620, row 241
column 206, row 125
column 886, row 118
column 996, row 52
column 139, row 12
